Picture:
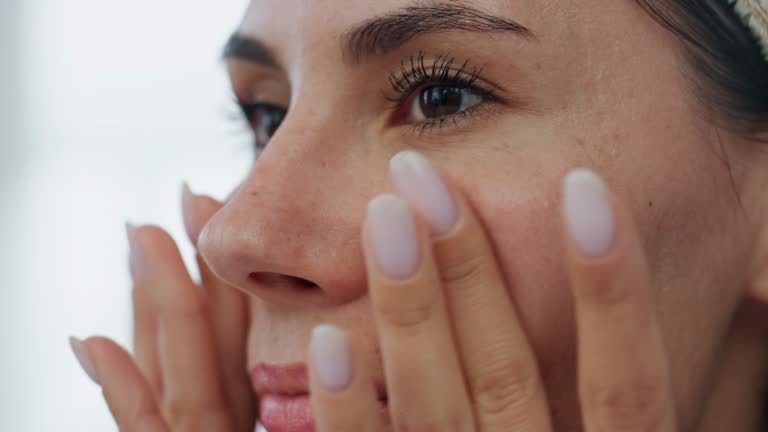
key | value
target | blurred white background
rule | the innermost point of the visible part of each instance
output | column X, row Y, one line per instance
column 105, row 107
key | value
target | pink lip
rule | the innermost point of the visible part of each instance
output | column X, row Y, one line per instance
column 283, row 393
column 286, row 413
column 283, row 397
column 288, row 380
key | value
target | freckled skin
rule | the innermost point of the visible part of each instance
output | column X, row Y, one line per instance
column 605, row 91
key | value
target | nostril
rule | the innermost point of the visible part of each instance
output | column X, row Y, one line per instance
column 276, row 279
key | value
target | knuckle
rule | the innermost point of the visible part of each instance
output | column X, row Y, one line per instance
column 463, row 270
column 449, row 424
column 636, row 406
column 406, row 316
column 507, row 390
column 604, row 291
column 152, row 236
column 192, row 415
column 604, row 285
column 192, row 307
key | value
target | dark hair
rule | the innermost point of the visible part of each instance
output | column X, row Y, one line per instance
column 724, row 60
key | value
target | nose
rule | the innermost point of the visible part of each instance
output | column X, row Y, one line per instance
column 290, row 233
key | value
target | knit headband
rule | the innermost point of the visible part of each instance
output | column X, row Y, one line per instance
column 755, row 15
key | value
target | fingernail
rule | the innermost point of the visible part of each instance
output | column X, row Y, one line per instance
column 393, row 234
column 187, row 212
column 136, row 260
column 330, row 357
column 83, row 359
column 420, row 184
column 130, row 229
column 186, row 196
column 588, row 212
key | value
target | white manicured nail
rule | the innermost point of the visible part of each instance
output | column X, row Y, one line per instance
column 83, row 359
column 588, row 212
column 393, row 236
column 419, row 183
column 330, row 357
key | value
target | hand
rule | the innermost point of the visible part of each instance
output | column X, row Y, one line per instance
column 189, row 370
column 455, row 355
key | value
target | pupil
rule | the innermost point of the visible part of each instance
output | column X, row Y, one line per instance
column 440, row 101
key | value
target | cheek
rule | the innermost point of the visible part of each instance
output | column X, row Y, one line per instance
column 525, row 230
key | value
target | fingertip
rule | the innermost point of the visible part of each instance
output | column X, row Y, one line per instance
column 147, row 243
column 84, row 358
column 187, row 209
column 197, row 210
column 153, row 241
column 420, row 183
column 394, row 237
column 330, row 357
column 186, row 192
column 605, row 258
column 130, row 230
column 589, row 213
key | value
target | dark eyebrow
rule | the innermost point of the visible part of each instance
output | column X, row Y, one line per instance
column 248, row 49
column 382, row 34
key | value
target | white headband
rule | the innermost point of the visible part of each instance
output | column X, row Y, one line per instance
column 755, row 15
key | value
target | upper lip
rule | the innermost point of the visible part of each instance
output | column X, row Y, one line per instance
column 290, row 380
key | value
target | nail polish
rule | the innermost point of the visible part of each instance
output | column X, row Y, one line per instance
column 393, row 234
column 82, row 357
column 588, row 212
column 421, row 185
column 130, row 229
column 136, row 259
column 330, row 357
column 187, row 210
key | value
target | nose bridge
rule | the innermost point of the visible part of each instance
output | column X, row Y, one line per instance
column 293, row 223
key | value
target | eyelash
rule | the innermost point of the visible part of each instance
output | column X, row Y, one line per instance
column 414, row 75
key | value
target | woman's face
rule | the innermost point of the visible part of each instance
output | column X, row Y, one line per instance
column 504, row 97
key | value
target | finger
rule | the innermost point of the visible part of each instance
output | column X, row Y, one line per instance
column 623, row 374
column 145, row 332
column 193, row 394
column 229, row 320
column 498, row 361
column 228, row 313
column 127, row 392
column 424, row 380
column 196, row 211
column 343, row 396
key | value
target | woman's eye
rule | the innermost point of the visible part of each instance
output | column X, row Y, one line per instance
column 264, row 119
column 443, row 101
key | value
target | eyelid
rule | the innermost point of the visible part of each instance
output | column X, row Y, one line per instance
column 414, row 71
column 417, row 74
column 258, row 84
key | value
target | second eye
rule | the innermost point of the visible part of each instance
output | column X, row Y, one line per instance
column 264, row 118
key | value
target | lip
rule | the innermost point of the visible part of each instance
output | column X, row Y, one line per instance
column 287, row 380
column 283, row 394
column 280, row 413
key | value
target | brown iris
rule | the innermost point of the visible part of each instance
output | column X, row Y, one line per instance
column 441, row 101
